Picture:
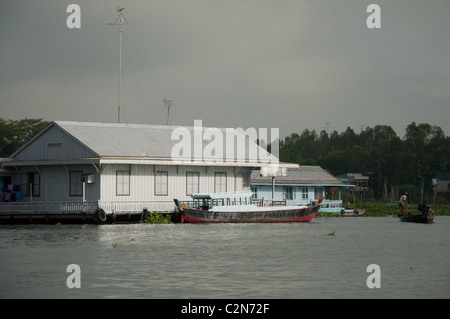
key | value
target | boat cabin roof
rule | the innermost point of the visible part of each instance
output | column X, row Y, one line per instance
column 222, row 195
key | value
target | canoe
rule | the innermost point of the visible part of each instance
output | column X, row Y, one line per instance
column 416, row 219
column 352, row 213
column 426, row 216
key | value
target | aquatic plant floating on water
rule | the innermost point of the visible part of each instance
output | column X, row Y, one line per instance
column 156, row 218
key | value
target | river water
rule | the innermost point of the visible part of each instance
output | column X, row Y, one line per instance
column 327, row 258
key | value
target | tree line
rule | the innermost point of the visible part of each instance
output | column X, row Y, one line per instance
column 391, row 162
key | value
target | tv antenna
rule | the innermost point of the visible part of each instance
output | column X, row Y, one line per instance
column 327, row 126
column 168, row 104
column 120, row 21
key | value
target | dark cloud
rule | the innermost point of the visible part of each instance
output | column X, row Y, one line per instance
column 234, row 63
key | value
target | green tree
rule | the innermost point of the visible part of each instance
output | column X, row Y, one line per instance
column 15, row 133
column 389, row 160
column 430, row 147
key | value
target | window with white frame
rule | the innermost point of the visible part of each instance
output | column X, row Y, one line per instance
column 192, row 182
column 254, row 192
column 220, row 182
column 123, row 183
column 161, row 183
column 305, row 193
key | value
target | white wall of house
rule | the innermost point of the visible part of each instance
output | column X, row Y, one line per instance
column 123, row 182
column 155, row 186
column 135, row 186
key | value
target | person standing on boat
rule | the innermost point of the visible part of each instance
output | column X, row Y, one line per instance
column 403, row 203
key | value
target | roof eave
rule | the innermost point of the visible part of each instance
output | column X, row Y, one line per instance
column 301, row 184
column 51, row 162
column 187, row 162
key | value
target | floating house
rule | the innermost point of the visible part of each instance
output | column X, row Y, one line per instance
column 360, row 181
column 121, row 168
column 302, row 186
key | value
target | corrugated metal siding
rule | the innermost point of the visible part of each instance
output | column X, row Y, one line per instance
column 54, row 182
column 142, row 181
column 54, row 144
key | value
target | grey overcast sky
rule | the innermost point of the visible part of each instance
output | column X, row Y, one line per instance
column 288, row 64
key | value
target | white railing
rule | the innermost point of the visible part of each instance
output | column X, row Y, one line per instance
column 117, row 207
column 288, row 202
column 128, row 207
column 268, row 202
column 328, row 203
column 32, row 207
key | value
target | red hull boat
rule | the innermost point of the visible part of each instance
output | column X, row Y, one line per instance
column 237, row 208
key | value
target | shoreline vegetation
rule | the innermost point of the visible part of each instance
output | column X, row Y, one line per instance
column 157, row 218
column 374, row 209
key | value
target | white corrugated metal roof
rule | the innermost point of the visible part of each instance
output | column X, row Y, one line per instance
column 306, row 175
column 121, row 140
column 138, row 141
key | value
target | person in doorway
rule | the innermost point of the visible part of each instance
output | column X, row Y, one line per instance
column 403, row 203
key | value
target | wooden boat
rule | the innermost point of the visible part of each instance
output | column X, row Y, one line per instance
column 426, row 216
column 352, row 212
column 238, row 208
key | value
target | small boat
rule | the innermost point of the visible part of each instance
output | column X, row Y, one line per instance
column 331, row 206
column 426, row 216
column 335, row 207
column 237, row 207
column 353, row 212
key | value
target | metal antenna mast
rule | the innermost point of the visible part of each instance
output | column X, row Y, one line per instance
column 327, row 126
column 120, row 21
column 168, row 104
